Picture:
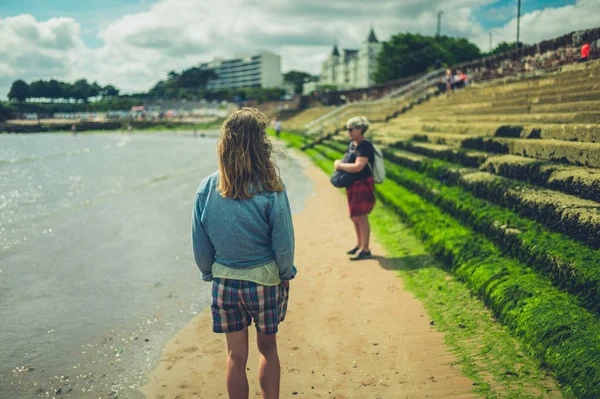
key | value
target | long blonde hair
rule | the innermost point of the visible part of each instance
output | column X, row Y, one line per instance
column 246, row 161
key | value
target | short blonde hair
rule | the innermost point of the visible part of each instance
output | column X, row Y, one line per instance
column 246, row 159
column 360, row 122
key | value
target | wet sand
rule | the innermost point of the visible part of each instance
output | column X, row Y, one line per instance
column 351, row 330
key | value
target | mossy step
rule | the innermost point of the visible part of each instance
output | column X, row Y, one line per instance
column 565, row 117
column 544, row 98
column 567, row 96
column 564, row 79
column 565, row 75
column 511, row 107
column 571, row 265
column 567, row 132
column 568, row 214
column 578, row 181
column 581, row 154
column 453, row 154
column 574, row 180
column 564, row 336
column 580, row 84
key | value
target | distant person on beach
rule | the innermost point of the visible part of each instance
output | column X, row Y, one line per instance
column 361, row 194
column 74, row 130
column 243, row 241
column 277, row 126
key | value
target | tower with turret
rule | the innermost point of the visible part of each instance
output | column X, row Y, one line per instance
column 352, row 68
column 330, row 66
column 367, row 61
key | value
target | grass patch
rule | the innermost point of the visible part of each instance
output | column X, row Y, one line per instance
column 486, row 352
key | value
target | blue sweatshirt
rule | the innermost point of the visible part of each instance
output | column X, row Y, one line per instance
column 242, row 233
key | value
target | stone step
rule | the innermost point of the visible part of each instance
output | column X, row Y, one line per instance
column 577, row 217
column 567, row 95
column 582, row 82
column 571, row 264
column 466, row 157
column 555, row 79
column 560, row 332
column 567, row 132
column 549, row 118
column 574, row 153
column 578, row 181
column 507, row 107
column 583, row 154
column 573, row 180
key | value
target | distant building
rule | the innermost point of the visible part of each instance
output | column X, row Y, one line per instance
column 351, row 68
column 260, row 70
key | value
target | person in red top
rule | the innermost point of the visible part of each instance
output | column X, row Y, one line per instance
column 585, row 52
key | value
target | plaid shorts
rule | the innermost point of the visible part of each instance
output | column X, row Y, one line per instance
column 361, row 197
column 235, row 303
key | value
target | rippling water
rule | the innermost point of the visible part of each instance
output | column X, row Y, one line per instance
column 96, row 270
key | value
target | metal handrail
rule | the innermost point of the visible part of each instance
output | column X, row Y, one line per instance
column 403, row 89
column 410, row 89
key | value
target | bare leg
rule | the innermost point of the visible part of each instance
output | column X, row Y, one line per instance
column 355, row 220
column 237, row 357
column 365, row 231
column 269, row 371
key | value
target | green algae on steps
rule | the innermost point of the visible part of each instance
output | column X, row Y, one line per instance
column 561, row 334
column 569, row 263
column 485, row 350
column 487, row 353
column 564, row 336
column 579, row 218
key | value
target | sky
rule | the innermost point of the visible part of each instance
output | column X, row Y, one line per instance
column 133, row 44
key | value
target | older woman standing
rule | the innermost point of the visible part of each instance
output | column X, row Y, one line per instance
column 361, row 194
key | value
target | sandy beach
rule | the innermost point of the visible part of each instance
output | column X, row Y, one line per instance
column 351, row 330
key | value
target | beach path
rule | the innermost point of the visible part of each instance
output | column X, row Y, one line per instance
column 351, row 331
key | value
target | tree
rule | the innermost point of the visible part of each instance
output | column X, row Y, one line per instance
column 172, row 75
column 408, row 54
column 38, row 89
column 19, row 91
column 194, row 78
column 297, row 78
column 95, row 89
column 110, row 91
column 54, row 89
column 82, row 90
column 504, row 47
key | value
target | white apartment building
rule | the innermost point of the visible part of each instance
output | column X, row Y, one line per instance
column 260, row 70
column 352, row 69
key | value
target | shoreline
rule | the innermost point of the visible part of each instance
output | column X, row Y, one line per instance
column 332, row 343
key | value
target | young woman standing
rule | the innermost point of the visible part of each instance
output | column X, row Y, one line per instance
column 243, row 241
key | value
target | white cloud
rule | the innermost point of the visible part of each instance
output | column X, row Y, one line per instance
column 139, row 49
column 548, row 23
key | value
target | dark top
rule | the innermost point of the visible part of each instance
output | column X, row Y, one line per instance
column 364, row 149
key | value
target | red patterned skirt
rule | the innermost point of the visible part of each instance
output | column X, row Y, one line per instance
column 361, row 197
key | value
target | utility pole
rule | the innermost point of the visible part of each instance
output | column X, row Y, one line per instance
column 490, row 42
column 439, row 25
column 518, row 22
